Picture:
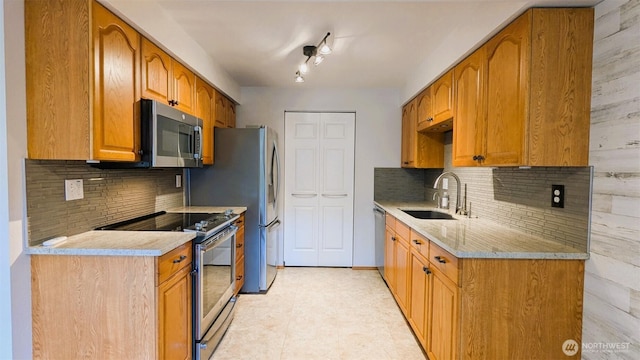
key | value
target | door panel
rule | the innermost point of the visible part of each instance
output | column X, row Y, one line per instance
column 319, row 165
column 305, row 176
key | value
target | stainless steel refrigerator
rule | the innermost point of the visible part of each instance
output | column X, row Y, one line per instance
column 245, row 172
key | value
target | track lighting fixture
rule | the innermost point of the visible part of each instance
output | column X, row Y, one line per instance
column 315, row 52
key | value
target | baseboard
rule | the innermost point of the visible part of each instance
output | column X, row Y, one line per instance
column 364, row 268
column 279, row 267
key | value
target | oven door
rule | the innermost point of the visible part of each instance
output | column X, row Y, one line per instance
column 215, row 278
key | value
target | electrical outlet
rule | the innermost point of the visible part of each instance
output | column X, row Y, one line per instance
column 557, row 196
column 178, row 181
column 445, row 184
column 73, row 189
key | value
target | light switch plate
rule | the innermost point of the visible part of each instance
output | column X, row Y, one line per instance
column 445, row 184
column 178, row 181
column 73, row 189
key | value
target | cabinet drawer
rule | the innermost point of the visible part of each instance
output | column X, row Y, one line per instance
column 171, row 262
column 239, row 275
column 390, row 221
column 420, row 243
column 403, row 231
column 444, row 261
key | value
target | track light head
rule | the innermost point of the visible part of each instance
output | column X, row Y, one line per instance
column 315, row 52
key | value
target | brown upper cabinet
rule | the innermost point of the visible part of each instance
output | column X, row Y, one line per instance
column 436, row 105
column 225, row 112
column 443, row 103
column 532, row 86
column 167, row 80
column 419, row 150
column 205, row 103
column 72, row 115
column 469, row 124
column 425, row 109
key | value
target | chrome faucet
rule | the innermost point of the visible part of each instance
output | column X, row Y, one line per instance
column 437, row 183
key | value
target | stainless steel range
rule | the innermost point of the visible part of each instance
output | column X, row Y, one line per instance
column 213, row 269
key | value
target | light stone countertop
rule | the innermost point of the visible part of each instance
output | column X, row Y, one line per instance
column 127, row 243
column 117, row 243
column 479, row 238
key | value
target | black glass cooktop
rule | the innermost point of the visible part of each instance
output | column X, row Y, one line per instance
column 163, row 221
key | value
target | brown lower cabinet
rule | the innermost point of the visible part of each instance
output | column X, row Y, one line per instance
column 469, row 308
column 112, row 307
column 239, row 255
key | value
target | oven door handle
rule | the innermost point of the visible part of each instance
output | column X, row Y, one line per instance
column 216, row 240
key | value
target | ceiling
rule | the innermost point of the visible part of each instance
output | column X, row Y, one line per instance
column 375, row 43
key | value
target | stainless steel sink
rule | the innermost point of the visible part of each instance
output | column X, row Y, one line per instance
column 428, row 214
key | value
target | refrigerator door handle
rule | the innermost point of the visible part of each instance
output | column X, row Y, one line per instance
column 276, row 156
column 275, row 223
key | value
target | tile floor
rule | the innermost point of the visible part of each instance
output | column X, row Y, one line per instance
column 320, row 313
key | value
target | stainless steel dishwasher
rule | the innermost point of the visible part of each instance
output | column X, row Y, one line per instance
column 379, row 240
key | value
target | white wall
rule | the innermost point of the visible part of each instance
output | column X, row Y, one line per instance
column 377, row 139
column 612, row 279
column 5, row 268
column 17, row 294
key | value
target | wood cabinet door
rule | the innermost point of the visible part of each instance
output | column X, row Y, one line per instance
column 184, row 88
column 442, row 92
column 402, row 273
column 389, row 258
column 443, row 338
column 561, row 70
column 58, row 79
column 204, row 110
column 220, row 111
column 231, row 114
column 156, row 73
column 425, row 109
column 409, row 135
column 507, row 93
column 469, row 125
column 174, row 315
column 116, row 88
column 419, row 305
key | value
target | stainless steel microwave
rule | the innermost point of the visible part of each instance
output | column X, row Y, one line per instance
column 170, row 137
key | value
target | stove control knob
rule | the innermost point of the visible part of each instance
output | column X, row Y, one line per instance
column 228, row 212
column 198, row 226
column 204, row 223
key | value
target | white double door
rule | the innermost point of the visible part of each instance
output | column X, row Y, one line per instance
column 319, row 182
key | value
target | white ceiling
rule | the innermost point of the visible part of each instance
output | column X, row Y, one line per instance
column 376, row 43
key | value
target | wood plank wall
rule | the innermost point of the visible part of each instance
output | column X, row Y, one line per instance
column 612, row 280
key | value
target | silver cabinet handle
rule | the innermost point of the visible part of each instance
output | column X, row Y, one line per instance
column 303, row 195
column 334, row 195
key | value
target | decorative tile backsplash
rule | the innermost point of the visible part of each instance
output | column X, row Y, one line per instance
column 517, row 198
column 109, row 196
